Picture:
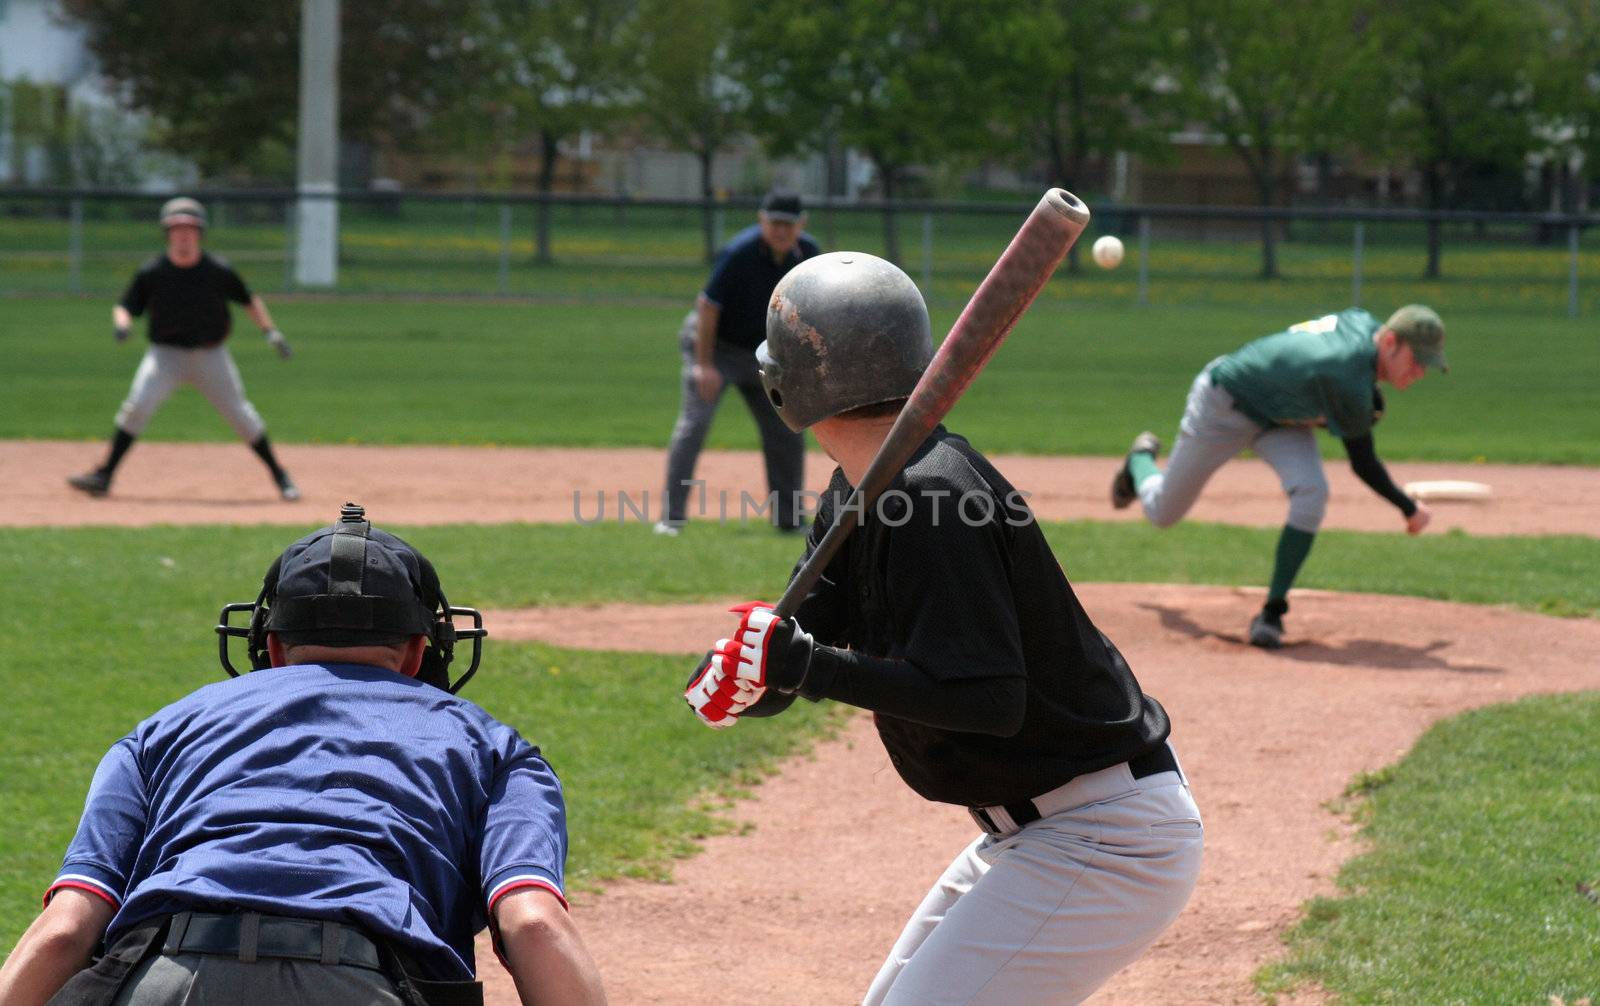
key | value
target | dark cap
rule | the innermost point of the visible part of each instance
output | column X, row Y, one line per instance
column 351, row 584
column 782, row 205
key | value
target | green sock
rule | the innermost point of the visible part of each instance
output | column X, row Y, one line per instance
column 1293, row 547
column 1142, row 465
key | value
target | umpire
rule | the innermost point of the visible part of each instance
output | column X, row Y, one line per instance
column 332, row 829
column 718, row 341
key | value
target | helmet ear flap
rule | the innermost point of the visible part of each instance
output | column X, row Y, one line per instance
column 440, row 649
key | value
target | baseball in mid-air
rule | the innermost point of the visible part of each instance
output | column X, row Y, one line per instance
column 1108, row 252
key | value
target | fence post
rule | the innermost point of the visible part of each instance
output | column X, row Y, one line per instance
column 1144, row 260
column 1355, row 266
column 503, row 284
column 927, row 252
column 1572, row 269
column 290, row 244
column 75, row 248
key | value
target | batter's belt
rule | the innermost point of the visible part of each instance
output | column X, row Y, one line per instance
column 1091, row 787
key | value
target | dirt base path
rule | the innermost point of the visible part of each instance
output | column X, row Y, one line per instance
column 838, row 851
column 165, row 483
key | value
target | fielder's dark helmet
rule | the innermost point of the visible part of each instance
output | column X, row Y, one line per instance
column 183, row 210
column 844, row 330
column 351, row 584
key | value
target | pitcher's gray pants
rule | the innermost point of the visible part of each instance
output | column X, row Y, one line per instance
column 210, row 370
column 1211, row 433
column 783, row 449
column 1049, row 913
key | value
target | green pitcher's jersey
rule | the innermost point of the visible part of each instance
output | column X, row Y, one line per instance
column 1322, row 372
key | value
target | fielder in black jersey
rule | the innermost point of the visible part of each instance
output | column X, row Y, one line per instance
column 947, row 615
column 186, row 293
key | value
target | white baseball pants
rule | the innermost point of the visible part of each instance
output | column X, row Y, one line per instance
column 210, row 370
column 1048, row 913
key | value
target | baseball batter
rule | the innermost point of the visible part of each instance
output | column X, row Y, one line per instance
column 947, row 615
column 186, row 293
column 1269, row 397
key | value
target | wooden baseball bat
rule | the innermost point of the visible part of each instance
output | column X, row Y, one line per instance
column 1012, row 284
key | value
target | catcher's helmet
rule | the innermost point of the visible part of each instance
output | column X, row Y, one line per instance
column 350, row 584
column 844, row 330
column 183, row 210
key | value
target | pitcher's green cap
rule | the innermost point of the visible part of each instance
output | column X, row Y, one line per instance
column 1419, row 327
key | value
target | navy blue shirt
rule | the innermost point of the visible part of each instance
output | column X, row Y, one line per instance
column 337, row 791
column 742, row 282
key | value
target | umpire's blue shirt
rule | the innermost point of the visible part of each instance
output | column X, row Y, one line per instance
column 334, row 791
column 742, row 282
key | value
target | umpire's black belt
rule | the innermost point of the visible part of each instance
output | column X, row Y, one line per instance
column 1090, row 787
column 249, row 936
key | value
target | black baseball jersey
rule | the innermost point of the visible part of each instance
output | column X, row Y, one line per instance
column 949, row 590
column 188, row 307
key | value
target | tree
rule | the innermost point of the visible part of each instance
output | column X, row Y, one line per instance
column 687, row 84
column 1461, row 75
column 1273, row 79
column 906, row 82
column 1569, row 91
column 1083, row 81
column 221, row 76
column 552, row 69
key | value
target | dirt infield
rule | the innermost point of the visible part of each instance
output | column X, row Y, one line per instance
column 162, row 483
column 838, row 851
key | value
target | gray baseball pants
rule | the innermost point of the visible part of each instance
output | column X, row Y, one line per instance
column 1047, row 914
column 783, row 449
column 209, row 978
column 210, row 370
column 1213, row 432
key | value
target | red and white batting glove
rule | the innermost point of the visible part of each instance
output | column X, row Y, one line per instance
column 715, row 692
column 773, row 652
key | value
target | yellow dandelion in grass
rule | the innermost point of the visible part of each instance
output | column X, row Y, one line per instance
column 553, row 670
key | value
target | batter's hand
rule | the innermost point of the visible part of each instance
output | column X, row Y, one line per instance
column 1419, row 519
column 707, row 381
column 121, row 333
column 276, row 340
column 715, row 693
column 774, row 652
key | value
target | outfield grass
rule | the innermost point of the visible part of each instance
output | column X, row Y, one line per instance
column 1479, row 884
column 1072, row 378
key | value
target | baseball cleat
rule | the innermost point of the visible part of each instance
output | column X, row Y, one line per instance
column 95, row 483
column 668, row 530
column 1123, row 491
column 1266, row 631
column 288, row 490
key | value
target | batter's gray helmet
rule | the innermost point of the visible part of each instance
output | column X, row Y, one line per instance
column 844, row 330
column 183, row 210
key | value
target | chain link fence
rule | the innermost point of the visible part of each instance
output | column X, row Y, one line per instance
column 85, row 241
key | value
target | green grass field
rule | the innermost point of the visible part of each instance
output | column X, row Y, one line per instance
column 1479, row 885
column 107, row 624
column 103, row 625
column 1071, row 379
